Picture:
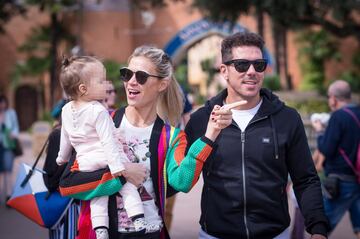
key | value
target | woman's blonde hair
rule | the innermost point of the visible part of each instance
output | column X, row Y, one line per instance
column 171, row 101
column 74, row 71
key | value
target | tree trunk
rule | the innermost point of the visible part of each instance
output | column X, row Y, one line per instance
column 53, row 56
column 280, row 46
column 260, row 22
column 276, row 41
column 288, row 80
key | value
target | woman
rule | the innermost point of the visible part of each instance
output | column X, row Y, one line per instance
column 154, row 97
column 8, row 132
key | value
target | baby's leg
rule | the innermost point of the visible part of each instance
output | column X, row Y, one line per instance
column 134, row 208
column 99, row 216
column 132, row 201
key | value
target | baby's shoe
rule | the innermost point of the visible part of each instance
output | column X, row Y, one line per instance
column 102, row 233
column 141, row 225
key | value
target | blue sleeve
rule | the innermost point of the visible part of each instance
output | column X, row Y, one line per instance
column 328, row 143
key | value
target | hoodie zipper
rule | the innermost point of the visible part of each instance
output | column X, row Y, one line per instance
column 244, row 181
column 243, row 175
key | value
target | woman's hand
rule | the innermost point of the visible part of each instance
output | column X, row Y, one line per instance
column 134, row 173
column 220, row 118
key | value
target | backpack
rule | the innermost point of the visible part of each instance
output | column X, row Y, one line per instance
column 355, row 167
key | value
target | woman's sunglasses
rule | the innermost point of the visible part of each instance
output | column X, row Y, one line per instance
column 140, row 76
column 242, row 65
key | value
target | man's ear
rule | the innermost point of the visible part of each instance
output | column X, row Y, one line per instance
column 163, row 84
column 82, row 89
column 224, row 72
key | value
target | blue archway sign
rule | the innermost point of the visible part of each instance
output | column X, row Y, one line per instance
column 198, row 30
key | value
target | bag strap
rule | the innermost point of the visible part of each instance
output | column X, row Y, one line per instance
column 352, row 115
column 117, row 116
column 28, row 176
column 342, row 152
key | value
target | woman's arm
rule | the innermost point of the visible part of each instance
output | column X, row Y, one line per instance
column 183, row 170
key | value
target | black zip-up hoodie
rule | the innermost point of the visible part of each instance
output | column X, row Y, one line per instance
column 244, row 193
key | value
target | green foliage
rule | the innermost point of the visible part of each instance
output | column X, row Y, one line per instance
column 52, row 6
column 207, row 65
column 112, row 69
column 8, row 9
column 272, row 82
column 335, row 17
column 37, row 47
column 181, row 75
column 112, row 73
column 316, row 48
column 225, row 10
column 309, row 106
column 38, row 40
column 354, row 80
column 46, row 116
column 353, row 75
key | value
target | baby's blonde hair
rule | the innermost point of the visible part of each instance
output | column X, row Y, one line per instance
column 75, row 71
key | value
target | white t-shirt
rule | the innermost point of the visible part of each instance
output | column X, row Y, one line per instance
column 243, row 117
column 136, row 142
column 90, row 130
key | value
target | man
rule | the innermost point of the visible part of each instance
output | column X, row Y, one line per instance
column 342, row 133
column 244, row 193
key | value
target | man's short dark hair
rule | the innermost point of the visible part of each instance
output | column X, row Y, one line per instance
column 240, row 39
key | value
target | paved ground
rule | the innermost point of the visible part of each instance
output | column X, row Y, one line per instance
column 185, row 221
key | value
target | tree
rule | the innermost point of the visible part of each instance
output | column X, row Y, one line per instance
column 336, row 17
column 340, row 18
column 8, row 9
column 46, row 37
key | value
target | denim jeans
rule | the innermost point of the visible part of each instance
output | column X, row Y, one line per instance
column 348, row 199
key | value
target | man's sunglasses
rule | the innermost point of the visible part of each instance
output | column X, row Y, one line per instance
column 242, row 65
column 140, row 76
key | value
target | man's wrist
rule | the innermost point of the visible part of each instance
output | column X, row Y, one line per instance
column 319, row 228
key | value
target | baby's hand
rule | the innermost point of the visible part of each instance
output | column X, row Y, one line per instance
column 119, row 135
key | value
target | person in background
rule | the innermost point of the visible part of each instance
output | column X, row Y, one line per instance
column 318, row 157
column 110, row 99
column 338, row 142
column 245, row 178
column 9, row 130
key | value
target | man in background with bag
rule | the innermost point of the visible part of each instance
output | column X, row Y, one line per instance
column 339, row 143
column 9, row 131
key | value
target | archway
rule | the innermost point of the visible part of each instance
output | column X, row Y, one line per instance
column 194, row 32
column 26, row 105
